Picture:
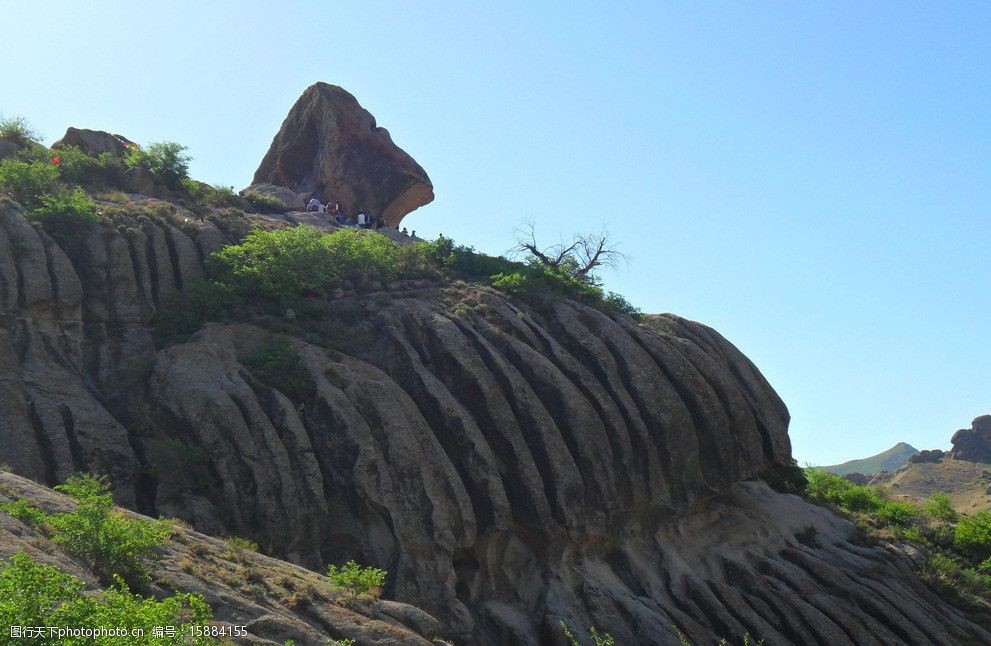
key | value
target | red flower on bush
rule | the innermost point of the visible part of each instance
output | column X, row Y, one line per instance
column 56, row 160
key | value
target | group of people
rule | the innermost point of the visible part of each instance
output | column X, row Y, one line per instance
column 337, row 211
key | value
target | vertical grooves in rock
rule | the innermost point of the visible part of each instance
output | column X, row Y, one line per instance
column 69, row 425
column 153, row 262
column 45, row 446
column 537, row 449
column 173, row 257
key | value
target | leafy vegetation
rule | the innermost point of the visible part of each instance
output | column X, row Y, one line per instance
column 27, row 182
column 959, row 545
column 112, row 543
column 788, row 478
column 265, row 203
column 216, row 195
column 278, row 364
column 166, row 161
column 34, row 594
column 17, row 130
column 356, row 579
column 598, row 639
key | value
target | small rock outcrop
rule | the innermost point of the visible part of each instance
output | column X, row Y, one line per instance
column 94, row 142
column 330, row 147
column 973, row 444
column 927, row 455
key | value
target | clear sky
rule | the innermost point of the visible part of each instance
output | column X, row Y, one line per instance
column 811, row 179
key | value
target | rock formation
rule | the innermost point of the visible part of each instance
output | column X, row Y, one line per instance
column 509, row 466
column 973, row 444
column 274, row 600
column 329, row 147
column 94, row 142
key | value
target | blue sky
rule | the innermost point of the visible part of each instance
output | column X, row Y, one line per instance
column 812, row 180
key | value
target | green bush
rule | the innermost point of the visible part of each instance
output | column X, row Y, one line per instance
column 285, row 265
column 216, row 195
column 516, row 283
column 265, row 203
column 355, row 579
column 62, row 212
column 897, row 512
column 618, row 303
column 278, row 364
column 184, row 312
column 34, row 594
column 598, row 639
column 166, row 161
column 825, row 486
column 786, row 478
column 280, row 265
column 17, row 130
column 26, row 182
column 940, row 508
column 76, row 167
column 110, row 542
column 972, row 536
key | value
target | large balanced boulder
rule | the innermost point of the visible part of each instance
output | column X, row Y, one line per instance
column 94, row 142
column 974, row 443
column 330, row 147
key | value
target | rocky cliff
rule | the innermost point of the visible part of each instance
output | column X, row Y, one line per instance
column 510, row 466
column 331, row 148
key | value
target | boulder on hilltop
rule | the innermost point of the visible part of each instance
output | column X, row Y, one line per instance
column 330, row 147
column 973, row 444
column 94, row 142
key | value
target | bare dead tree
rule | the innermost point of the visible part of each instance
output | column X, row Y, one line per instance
column 580, row 256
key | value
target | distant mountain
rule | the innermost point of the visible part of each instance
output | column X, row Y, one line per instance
column 889, row 460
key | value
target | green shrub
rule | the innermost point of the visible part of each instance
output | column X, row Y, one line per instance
column 239, row 544
column 184, row 312
column 17, row 130
column 280, row 265
column 972, row 536
column 858, row 498
column 216, row 195
column 76, row 167
column 786, row 478
column 112, row 543
column 278, row 364
column 24, row 511
column 64, row 211
column 34, row 594
column 897, row 512
column 26, row 182
column 166, row 161
column 515, row 283
column 618, row 303
column 265, row 203
column 355, row 579
column 598, row 639
column 940, row 508
column 825, row 486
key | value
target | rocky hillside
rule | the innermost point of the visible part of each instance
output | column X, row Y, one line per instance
column 511, row 462
column 275, row 601
column 509, row 467
column 963, row 473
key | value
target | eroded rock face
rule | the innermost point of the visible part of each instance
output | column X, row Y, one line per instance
column 974, row 443
column 274, row 600
column 509, row 466
column 330, row 147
